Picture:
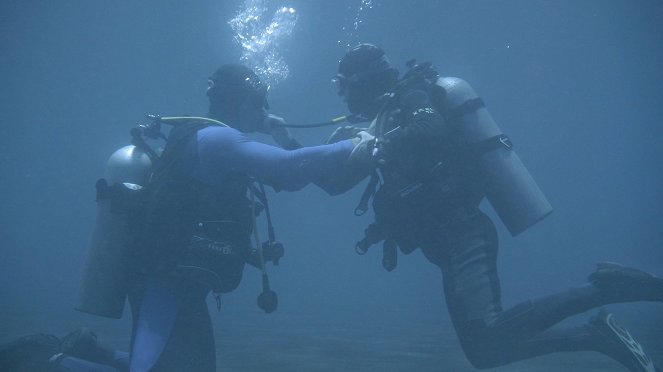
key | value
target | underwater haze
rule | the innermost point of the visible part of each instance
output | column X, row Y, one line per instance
column 577, row 86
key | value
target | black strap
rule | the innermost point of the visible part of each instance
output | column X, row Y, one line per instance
column 138, row 141
column 369, row 191
column 372, row 234
column 492, row 143
column 467, row 107
column 263, row 198
column 173, row 153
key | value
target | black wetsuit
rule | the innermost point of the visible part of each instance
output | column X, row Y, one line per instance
column 430, row 200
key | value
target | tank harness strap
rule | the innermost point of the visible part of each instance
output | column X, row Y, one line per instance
column 467, row 107
column 259, row 192
column 493, row 143
column 371, row 188
column 488, row 144
column 271, row 250
column 369, row 191
column 138, row 141
column 175, row 144
column 125, row 198
column 477, row 149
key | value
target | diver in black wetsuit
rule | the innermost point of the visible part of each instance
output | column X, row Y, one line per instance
column 436, row 155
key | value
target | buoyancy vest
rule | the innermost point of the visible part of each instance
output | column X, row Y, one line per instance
column 177, row 207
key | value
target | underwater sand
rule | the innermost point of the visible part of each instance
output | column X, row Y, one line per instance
column 281, row 342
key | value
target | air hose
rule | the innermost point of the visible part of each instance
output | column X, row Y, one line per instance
column 352, row 119
column 174, row 120
column 267, row 299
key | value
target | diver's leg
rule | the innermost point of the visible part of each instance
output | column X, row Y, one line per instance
column 83, row 344
column 619, row 283
column 601, row 334
column 155, row 307
column 121, row 360
column 491, row 337
column 73, row 364
column 466, row 252
column 191, row 345
column 78, row 351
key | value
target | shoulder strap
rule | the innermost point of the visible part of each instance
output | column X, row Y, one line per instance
column 467, row 107
column 177, row 140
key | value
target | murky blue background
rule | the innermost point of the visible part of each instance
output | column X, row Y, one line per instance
column 578, row 86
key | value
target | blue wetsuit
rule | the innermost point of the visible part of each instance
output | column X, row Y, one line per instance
column 172, row 330
column 222, row 150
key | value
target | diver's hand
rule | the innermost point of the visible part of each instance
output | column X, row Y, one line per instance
column 273, row 126
column 362, row 154
column 343, row 133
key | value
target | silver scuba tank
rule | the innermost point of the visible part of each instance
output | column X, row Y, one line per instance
column 105, row 279
column 511, row 190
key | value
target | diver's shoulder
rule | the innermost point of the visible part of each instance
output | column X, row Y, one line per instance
column 217, row 133
column 219, row 130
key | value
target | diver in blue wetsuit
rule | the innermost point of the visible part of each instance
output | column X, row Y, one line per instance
column 193, row 233
column 209, row 169
column 209, row 172
column 437, row 154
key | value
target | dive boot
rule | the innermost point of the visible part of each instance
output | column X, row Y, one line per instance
column 617, row 343
column 30, row 353
column 625, row 284
column 43, row 352
column 81, row 343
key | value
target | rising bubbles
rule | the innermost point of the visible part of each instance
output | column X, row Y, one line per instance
column 259, row 38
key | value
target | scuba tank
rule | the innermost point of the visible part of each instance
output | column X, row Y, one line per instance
column 509, row 187
column 106, row 273
column 511, row 190
column 122, row 198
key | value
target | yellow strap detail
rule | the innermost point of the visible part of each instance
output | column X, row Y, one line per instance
column 198, row 118
column 339, row 119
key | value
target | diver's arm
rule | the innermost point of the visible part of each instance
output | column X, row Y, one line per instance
column 273, row 125
column 286, row 140
column 345, row 179
column 352, row 174
column 282, row 169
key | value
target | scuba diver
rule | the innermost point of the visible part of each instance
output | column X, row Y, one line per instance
column 172, row 226
column 436, row 154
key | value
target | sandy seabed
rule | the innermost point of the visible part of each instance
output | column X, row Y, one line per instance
column 279, row 342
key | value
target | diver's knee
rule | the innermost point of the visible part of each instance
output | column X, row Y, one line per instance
column 482, row 356
column 481, row 345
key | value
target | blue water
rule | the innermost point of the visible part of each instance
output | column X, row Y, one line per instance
column 576, row 85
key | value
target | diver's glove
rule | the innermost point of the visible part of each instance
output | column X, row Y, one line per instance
column 362, row 154
column 273, row 126
column 343, row 133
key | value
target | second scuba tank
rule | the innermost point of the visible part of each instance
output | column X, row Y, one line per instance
column 106, row 273
column 511, row 190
